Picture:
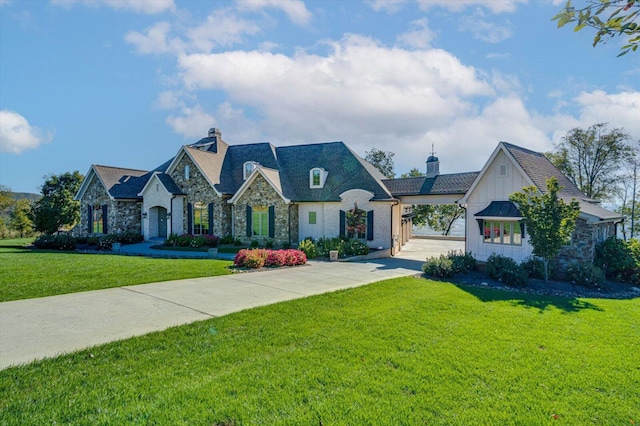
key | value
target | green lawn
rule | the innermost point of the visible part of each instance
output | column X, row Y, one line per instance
column 404, row 351
column 28, row 273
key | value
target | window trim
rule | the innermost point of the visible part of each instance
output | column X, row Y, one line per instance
column 492, row 238
column 246, row 173
column 260, row 215
column 200, row 211
column 322, row 177
column 315, row 218
column 97, row 219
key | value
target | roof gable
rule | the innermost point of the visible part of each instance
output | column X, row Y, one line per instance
column 166, row 181
column 271, row 176
column 120, row 183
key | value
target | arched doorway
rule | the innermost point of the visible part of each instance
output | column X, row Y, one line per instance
column 158, row 222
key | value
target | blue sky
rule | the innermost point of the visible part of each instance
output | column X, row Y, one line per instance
column 127, row 82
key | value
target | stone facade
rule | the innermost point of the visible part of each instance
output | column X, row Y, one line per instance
column 122, row 216
column 584, row 240
column 199, row 190
column 261, row 193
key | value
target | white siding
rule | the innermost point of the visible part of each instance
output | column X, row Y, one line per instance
column 494, row 187
column 156, row 195
column 328, row 217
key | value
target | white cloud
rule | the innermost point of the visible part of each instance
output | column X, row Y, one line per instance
column 419, row 36
column 155, row 40
column 482, row 29
column 193, row 122
column 619, row 110
column 294, row 9
column 17, row 135
column 149, row 7
column 389, row 6
column 495, row 6
column 222, row 28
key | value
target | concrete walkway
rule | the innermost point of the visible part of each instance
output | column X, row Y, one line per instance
column 48, row 326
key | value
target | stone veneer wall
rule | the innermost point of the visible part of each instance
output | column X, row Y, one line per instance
column 584, row 241
column 260, row 193
column 122, row 216
column 199, row 190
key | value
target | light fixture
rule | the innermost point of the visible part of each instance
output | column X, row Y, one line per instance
column 144, row 215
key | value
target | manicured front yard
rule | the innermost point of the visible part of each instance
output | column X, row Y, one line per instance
column 405, row 351
column 26, row 273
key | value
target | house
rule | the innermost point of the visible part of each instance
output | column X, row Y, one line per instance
column 251, row 192
column 494, row 224
column 260, row 192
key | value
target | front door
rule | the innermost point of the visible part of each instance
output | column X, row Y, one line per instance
column 162, row 222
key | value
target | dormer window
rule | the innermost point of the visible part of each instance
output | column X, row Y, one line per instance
column 248, row 168
column 317, row 177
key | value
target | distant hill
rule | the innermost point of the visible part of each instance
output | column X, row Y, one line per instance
column 28, row 195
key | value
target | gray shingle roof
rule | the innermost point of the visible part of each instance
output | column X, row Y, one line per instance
column 231, row 178
column 123, row 183
column 346, row 171
column 456, row 183
column 169, row 184
column 539, row 169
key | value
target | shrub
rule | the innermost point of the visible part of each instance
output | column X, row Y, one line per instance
column 106, row 241
column 188, row 240
column 345, row 247
column 237, row 242
column 461, row 261
column 227, row 239
column 269, row 244
column 355, row 248
column 130, row 237
column 441, row 267
column 534, row 267
column 619, row 259
column 309, row 248
column 506, row 270
column 585, row 274
column 257, row 258
column 55, row 242
column 254, row 244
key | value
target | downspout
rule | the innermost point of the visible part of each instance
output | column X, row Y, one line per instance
column 171, row 211
column 465, row 225
column 391, row 228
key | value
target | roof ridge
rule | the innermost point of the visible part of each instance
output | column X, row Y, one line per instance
column 121, row 168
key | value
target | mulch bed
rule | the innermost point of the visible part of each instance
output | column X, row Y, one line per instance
column 610, row 290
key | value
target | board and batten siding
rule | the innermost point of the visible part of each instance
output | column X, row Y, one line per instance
column 494, row 187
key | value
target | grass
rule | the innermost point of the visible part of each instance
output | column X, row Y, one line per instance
column 404, row 351
column 26, row 273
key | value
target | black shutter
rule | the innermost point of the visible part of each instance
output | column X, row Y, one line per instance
column 189, row 218
column 522, row 228
column 343, row 219
column 104, row 219
column 89, row 219
column 249, row 227
column 481, row 226
column 210, row 218
column 370, row 225
column 272, row 221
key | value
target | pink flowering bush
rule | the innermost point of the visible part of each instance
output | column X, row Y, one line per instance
column 257, row 258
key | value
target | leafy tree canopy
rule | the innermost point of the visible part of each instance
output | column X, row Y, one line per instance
column 57, row 208
column 591, row 158
column 549, row 220
column 610, row 18
column 6, row 198
column 381, row 160
column 20, row 218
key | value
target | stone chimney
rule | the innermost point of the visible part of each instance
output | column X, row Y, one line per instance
column 433, row 165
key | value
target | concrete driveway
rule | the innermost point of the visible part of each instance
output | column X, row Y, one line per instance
column 48, row 326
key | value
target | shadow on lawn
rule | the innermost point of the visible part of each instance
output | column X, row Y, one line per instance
column 540, row 302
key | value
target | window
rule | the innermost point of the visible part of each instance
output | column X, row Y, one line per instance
column 317, row 177
column 356, row 224
column 200, row 219
column 186, row 172
column 248, row 168
column 312, row 218
column 260, row 221
column 504, row 170
column 506, row 233
column 97, row 220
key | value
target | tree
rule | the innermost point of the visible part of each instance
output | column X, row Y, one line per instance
column 20, row 218
column 57, row 208
column 548, row 219
column 6, row 198
column 591, row 158
column 381, row 160
column 620, row 22
column 439, row 217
